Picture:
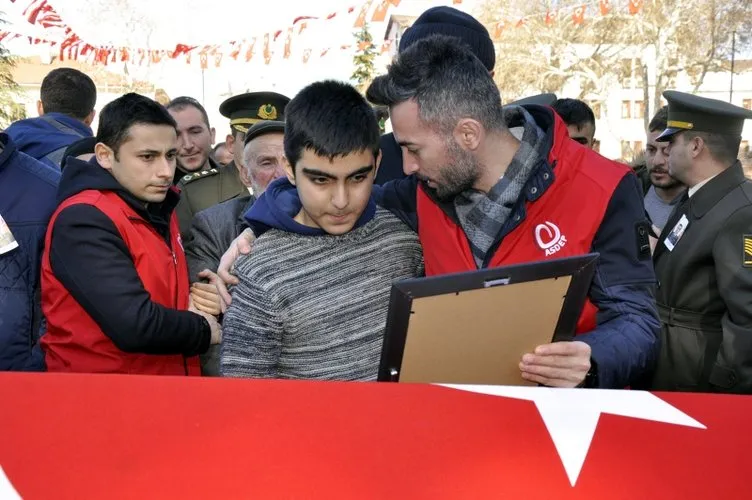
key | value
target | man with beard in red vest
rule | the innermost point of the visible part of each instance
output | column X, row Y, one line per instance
column 115, row 286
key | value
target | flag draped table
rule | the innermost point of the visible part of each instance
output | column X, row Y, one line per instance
column 107, row 436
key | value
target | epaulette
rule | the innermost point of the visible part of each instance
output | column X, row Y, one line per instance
column 199, row 175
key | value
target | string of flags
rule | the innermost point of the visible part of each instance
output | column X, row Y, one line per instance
column 273, row 44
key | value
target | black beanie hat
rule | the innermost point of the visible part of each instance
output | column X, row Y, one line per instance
column 452, row 22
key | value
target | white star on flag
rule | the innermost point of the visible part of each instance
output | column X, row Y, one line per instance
column 7, row 492
column 571, row 415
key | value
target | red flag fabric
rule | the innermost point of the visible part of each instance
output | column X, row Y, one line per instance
column 249, row 52
column 635, row 6
column 360, row 21
column 429, row 441
column 499, row 29
column 550, row 18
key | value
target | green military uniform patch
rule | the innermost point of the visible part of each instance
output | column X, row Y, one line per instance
column 199, row 175
column 747, row 250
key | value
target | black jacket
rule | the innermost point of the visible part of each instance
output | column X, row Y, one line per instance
column 91, row 260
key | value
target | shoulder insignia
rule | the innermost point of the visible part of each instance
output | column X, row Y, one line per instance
column 199, row 175
column 747, row 250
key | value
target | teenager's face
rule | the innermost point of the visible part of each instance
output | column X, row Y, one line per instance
column 145, row 163
column 334, row 193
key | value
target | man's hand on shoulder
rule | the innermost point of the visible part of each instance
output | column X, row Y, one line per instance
column 240, row 246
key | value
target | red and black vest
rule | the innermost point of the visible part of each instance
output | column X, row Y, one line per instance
column 74, row 342
column 562, row 222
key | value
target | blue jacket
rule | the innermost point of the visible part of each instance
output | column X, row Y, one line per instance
column 46, row 137
column 27, row 200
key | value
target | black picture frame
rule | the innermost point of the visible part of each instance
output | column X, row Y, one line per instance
column 579, row 268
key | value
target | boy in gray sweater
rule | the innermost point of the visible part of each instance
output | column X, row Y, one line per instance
column 313, row 296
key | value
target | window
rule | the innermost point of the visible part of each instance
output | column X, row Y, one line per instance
column 639, row 109
column 626, row 150
column 596, row 107
column 626, row 109
column 747, row 103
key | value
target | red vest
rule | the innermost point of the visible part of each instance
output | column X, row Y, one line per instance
column 74, row 342
column 561, row 223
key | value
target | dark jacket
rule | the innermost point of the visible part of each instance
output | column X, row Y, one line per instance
column 47, row 137
column 705, row 290
column 625, row 341
column 391, row 167
column 91, row 260
column 212, row 232
column 27, row 200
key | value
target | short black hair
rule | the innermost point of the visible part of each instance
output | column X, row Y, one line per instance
column 447, row 82
column 118, row 116
column 574, row 112
column 724, row 148
column 68, row 91
column 659, row 121
column 182, row 102
column 331, row 119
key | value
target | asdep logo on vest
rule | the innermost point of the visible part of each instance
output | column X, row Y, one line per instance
column 549, row 238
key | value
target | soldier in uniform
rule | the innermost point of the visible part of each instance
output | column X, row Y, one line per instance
column 213, row 229
column 205, row 189
column 703, row 260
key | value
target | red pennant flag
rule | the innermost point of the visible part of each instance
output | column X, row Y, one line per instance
column 204, row 58
column 218, row 59
column 578, row 16
column 288, row 43
column 605, row 7
column 380, row 13
column 302, row 18
column 635, row 6
column 395, row 2
column 267, row 52
column 302, row 27
column 235, row 51
column 124, row 55
column 276, row 34
column 499, row 29
column 549, row 18
column 520, row 23
column 249, row 52
column 332, row 15
column 361, row 19
column 345, row 47
column 323, row 52
column 456, row 2
column 306, row 55
column 181, row 49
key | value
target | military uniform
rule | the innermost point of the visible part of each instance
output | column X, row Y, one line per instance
column 202, row 190
column 703, row 263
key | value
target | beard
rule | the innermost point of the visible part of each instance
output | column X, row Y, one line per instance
column 668, row 183
column 458, row 174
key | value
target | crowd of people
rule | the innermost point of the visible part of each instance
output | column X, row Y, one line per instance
column 147, row 248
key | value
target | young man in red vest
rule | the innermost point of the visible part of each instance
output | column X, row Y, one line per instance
column 115, row 288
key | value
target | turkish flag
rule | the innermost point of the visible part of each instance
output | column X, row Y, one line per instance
column 249, row 51
column 360, row 21
column 578, row 16
column 128, row 436
column 288, row 43
column 379, row 15
column 549, row 18
column 605, row 7
column 499, row 29
column 635, row 6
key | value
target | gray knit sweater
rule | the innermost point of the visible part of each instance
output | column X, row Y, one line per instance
column 315, row 307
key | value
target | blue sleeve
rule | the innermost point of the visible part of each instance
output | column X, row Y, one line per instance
column 625, row 341
column 400, row 197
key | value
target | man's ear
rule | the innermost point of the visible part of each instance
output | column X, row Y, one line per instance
column 105, row 156
column 468, row 133
column 230, row 141
column 696, row 146
column 40, row 108
column 245, row 175
column 289, row 170
column 90, row 118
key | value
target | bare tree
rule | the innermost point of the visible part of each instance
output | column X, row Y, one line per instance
column 537, row 52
